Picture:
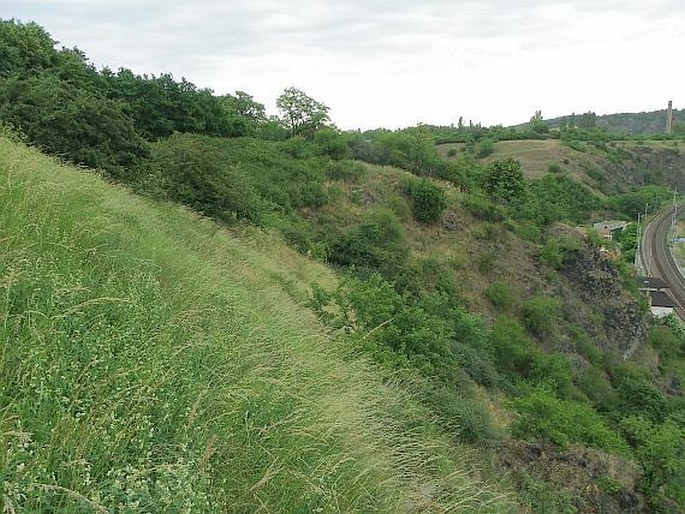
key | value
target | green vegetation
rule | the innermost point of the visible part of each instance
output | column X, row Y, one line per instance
column 504, row 182
column 162, row 362
column 154, row 365
column 429, row 201
column 542, row 414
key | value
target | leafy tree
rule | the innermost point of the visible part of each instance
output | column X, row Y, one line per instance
column 24, row 48
column 503, row 180
column 537, row 125
column 71, row 122
column 242, row 112
column 248, row 108
column 301, row 114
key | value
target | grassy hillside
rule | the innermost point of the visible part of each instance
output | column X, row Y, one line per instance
column 151, row 361
column 535, row 155
column 606, row 168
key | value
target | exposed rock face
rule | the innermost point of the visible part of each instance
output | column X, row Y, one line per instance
column 644, row 165
column 616, row 321
column 594, row 481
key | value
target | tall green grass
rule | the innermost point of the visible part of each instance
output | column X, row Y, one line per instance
column 153, row 362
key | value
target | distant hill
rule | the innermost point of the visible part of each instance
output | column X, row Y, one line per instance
column 635, row 124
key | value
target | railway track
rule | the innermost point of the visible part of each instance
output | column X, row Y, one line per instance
column 658, row 261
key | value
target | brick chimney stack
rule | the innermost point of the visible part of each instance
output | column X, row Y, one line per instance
column 669, row 118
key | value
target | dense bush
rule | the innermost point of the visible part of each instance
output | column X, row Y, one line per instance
column 484, row 148
column 540, row 314
column 482, row 208
column 638, row 397
column 71, row 122
column 469, row 416
column 501, row 296
column 428, row 200
column 543, row 415
column 660, row 449
column 632, row 203
column 430, row 332
column 377, row 243
column 517, row 357
column 558, row 198
column 595, row 385
column 503, row 181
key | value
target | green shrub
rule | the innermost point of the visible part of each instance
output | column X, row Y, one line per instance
column 390, row 325
column 554, row 168
column 482, row 208
column 541, row 497
column 429, row 200
column 452, row 152
column 585, row 346
column 543, row 415
column 526, row 230
column 501, row 296
column 638, row 397
column 477, row 363
column 540, row 314
column 399, row 206
column 669, row 342
column 517, row 357
column 484, row 148
column 503, row 181
column 378, row 243
column 486, row 262
column 198, row 176
column 550, row 254
column 597, row 388
column 558, row 198
column 348, row 171
column 659, row 449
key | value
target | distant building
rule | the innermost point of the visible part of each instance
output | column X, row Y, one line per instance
column 660, row 304
column 607, row 227
column 649, row 284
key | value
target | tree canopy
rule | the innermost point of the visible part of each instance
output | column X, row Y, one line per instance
column 300, row 113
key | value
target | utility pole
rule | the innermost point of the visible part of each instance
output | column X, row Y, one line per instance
column 674, row 219
column 638, row 257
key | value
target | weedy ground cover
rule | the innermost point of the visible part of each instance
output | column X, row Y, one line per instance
column 151, row 361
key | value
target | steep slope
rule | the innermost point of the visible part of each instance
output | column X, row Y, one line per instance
column 604, row 167
column 151, row 361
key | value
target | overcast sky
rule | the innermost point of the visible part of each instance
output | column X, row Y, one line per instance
column 394, row 63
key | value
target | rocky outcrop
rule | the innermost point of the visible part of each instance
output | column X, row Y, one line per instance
column 593, row 481
column 643, row 165
column 615, row 320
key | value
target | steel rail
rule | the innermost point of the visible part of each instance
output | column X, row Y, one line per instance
column 658, row 260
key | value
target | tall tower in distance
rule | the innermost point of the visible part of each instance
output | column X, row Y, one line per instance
column 669, row 118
